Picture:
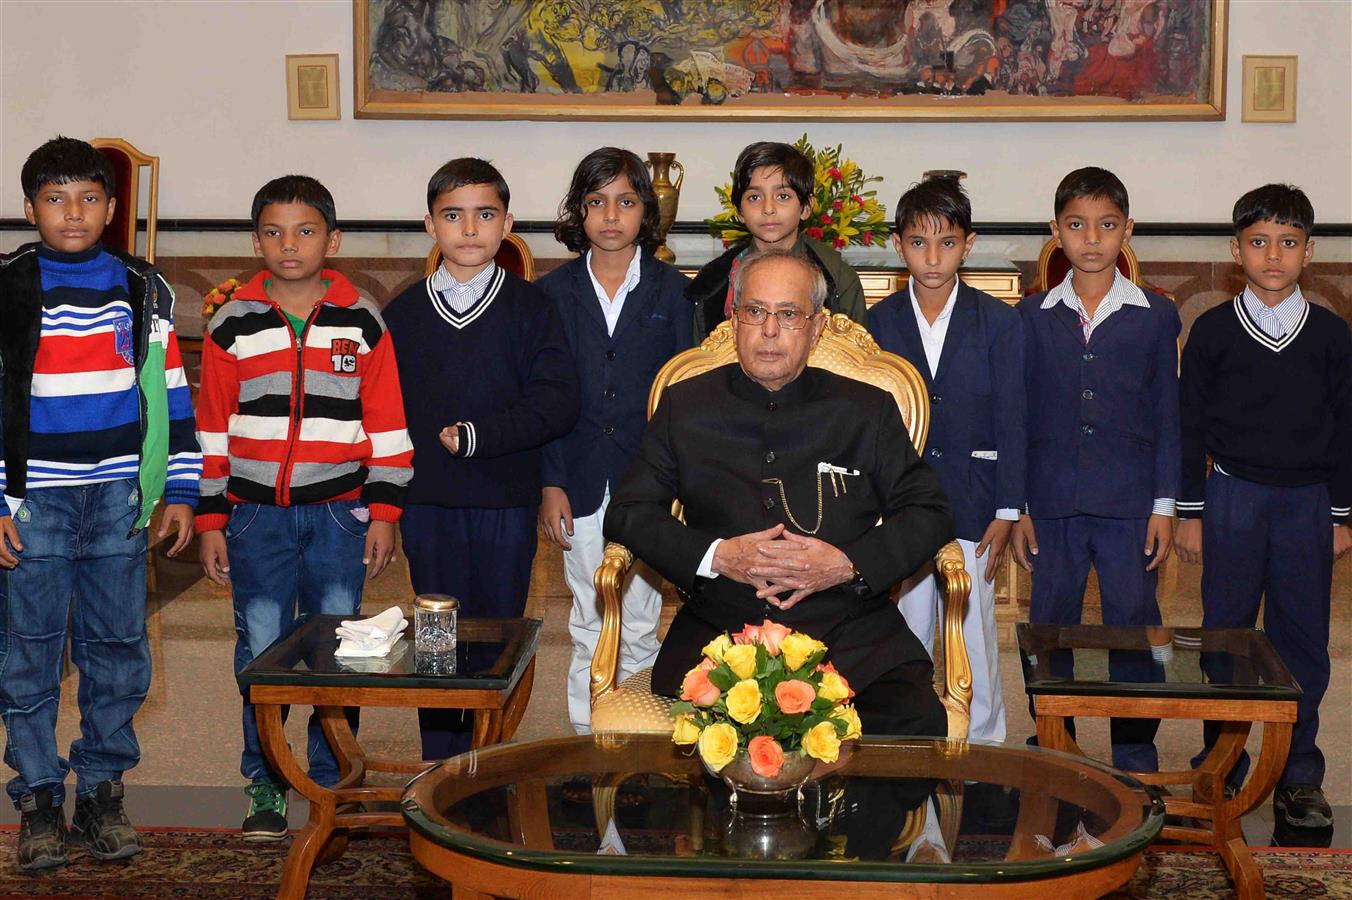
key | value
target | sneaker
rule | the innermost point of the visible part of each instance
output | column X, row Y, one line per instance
column 42, row 833
column 267, row 813
column 101, row 826
column 1302, row 806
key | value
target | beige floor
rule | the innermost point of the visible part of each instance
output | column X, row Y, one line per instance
column 190, row 733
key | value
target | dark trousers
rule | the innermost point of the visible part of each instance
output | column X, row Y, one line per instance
column 483, row 557
column 1067, row 547
column 1275, row 542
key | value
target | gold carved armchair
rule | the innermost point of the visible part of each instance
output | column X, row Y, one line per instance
column 847, row 349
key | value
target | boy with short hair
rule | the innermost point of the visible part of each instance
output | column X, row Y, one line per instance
column 1101, row 363
column 772, row 190
column 969, row 347
column 1267, row 394
column 306, row 454
column 97, row 428
column 495, row 382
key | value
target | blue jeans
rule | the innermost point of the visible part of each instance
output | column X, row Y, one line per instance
column 287, row 563
column 76, row 548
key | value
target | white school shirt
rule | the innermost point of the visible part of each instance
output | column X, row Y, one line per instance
column 611, row 306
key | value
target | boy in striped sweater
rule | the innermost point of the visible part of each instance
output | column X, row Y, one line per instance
column 97, row 429
column 305, row 453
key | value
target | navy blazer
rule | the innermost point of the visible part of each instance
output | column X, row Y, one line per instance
column 977, row 401
column 1103, row 427
column 615, row 372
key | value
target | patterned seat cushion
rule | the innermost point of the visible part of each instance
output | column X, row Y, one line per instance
column 632, row 707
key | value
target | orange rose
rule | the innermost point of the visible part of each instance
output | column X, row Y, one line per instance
column 794, row 696
column 767, row 757
column 698, row 689
column 750, row 634
column 771, row 633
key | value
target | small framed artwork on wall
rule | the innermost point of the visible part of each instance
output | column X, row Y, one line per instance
column 1269, row 89
column 312, row 86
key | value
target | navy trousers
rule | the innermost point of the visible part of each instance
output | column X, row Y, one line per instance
column 483, row 557
column 1260, row 541
column 1067, row 547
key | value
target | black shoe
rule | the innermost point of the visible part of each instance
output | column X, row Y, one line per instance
column 101, row 826
column 267, row 814
column 42, row 833
column 1302, row 806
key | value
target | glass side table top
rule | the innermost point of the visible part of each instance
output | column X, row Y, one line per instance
column 490, row 655
column 1198, row 663
column 530, row 805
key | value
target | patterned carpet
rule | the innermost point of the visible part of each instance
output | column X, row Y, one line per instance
column 213, row 865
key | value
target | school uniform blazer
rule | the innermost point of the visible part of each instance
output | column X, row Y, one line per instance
column 977, row 401
column 1103, row 427
column 615, row 372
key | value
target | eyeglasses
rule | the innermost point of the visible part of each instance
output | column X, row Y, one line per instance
column 790, row 318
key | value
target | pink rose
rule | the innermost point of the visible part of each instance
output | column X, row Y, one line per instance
column 698, row 689
column 707, row 664
column 750, row 634
column 771, row 633
column 794, row 696
column 767, row 757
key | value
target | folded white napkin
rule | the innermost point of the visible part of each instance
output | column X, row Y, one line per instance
column 371, row 637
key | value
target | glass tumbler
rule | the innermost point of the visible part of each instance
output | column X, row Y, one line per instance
column 434, row 624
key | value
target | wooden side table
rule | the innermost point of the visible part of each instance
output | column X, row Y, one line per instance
column 495, row 671
column 1232, row 676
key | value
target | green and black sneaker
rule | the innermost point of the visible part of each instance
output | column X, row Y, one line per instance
column 42, row 833
column 267, row 814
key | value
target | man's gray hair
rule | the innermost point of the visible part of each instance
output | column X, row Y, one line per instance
column 817, row 281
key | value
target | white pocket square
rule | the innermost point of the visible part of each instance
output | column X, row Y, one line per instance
column 986, row 454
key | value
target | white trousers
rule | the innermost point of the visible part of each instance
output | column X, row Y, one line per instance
column 642, row 609
column 921, row 606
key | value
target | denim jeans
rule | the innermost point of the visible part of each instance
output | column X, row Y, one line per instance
column 287, row 563
column 78, row 568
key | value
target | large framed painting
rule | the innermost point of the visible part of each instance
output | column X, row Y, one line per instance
column 790, row 59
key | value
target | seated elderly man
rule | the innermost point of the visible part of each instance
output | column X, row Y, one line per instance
column 804, row 504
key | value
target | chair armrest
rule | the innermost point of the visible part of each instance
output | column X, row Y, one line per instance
column 957, row 587
column 609, row 582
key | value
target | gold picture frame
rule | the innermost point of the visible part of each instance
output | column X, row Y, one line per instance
column 1269, row 89
column 312, row 86
column 628, row 59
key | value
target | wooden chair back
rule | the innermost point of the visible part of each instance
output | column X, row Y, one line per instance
column 128, row 165
column 514, row 255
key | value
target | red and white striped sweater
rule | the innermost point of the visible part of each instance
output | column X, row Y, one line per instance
column 286, row 421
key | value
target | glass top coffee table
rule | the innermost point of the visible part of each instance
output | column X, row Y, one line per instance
column 1231, row 676
column 493, row 672
column 499, row 821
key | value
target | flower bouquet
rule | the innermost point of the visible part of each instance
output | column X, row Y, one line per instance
column 761, row 700
column 843, row 212
column 218, row 297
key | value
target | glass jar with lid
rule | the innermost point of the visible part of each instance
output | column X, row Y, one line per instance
column 434, row 624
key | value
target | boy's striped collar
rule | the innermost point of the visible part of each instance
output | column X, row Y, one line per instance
column 461, row 320
column 1276, row 345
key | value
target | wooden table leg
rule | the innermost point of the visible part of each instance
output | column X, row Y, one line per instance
column 319, row 827
column 1248, row 877
column 515, row 707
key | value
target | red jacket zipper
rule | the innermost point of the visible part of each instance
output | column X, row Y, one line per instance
column 297, row 406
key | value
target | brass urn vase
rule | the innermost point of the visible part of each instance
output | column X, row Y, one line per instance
column 668, row 198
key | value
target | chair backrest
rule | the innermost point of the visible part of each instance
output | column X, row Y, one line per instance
column 514, row 255
column 1052, row 266
column 127, row 163
column 845, row 348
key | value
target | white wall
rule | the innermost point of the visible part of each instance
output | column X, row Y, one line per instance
column 201, row 83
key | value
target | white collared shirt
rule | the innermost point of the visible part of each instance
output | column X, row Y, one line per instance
column 462, row 295
column 932, row 336
column 611, row 306
column 1122, row 293
column 1276, row 321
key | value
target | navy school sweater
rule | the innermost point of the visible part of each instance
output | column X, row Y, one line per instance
column 1272, row 411
column 504, row 368
column 616, row 372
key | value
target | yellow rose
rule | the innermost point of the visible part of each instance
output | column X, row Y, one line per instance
column 850, row 716
column 717, row 647
column 685, row 730
column 797, row 647
column 744, row 701
column 820, row 742
column 718, row 745
column 741, row 659
column 833, row 687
